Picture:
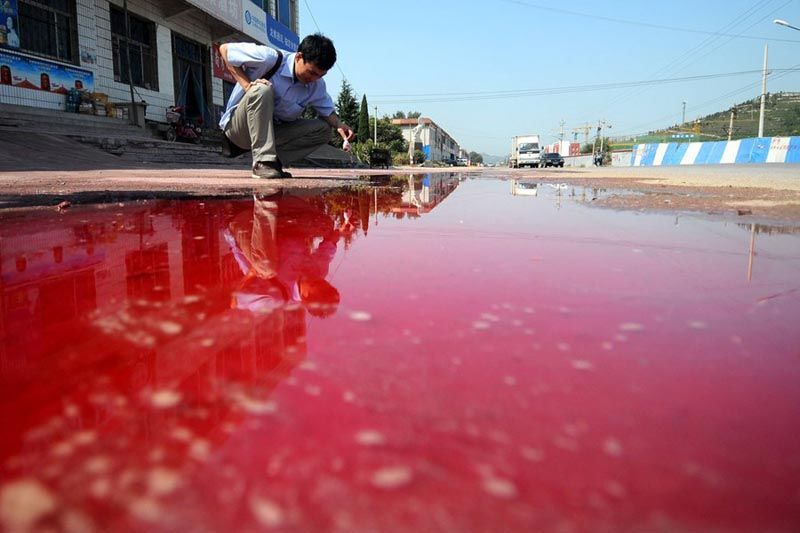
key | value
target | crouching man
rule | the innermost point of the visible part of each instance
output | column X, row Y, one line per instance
column 272, row 91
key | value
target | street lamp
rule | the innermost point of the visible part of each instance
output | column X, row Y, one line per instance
column 780, row 22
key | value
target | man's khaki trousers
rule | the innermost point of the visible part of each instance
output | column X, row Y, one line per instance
column 252, row 126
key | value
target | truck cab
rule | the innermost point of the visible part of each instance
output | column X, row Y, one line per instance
column 525, row 151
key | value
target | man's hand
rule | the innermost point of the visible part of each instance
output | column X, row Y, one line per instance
column 347, row 134
column 260, row 81
column 345, row 131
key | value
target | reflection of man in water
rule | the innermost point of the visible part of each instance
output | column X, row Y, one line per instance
column 284, row 248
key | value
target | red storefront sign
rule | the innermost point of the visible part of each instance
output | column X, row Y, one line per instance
column 219, row 66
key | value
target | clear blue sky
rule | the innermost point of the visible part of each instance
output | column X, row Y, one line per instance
column 425, row 55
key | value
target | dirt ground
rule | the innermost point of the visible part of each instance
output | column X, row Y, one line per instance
column 759, row 192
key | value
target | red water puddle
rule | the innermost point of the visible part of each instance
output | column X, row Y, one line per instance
column 494, row 362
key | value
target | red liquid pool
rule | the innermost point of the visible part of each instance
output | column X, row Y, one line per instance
column 459, row 356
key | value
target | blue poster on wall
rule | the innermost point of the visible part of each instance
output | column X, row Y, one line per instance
column 281, row 36
column 29, row 73
column 9, row 35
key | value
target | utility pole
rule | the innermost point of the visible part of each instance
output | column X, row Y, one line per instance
column 683, row 115
column 376, row 125
column 600, row 124
column 730, row 126
column 763, row 94
column 561, row 138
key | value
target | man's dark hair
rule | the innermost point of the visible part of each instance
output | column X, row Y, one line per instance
column 319, row 50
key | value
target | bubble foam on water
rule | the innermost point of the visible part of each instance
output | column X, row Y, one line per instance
column 162, row 481
column 360, row 316
column 182, row 434
column 532, row 454
column 370, row 437
column 23, row 503
column 99, row 464
column 612, row 447
column 255, row 406
column 392, row 477
column 82, row 438
column 145, row 509
column 200, row 450
column 165, row 398
column 499, row 487
column 267, row 512
column 170, row 328
column 582, row 364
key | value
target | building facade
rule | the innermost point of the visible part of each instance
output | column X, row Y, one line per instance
column 429, row 138
column 48, row 47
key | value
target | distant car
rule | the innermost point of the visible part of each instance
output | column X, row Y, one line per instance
column 551, row 160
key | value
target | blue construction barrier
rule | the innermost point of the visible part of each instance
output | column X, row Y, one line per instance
column 753, row 150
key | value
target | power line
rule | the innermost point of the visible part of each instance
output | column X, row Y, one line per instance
column 674, row 66
column 518, row 93
column 312, row 15
column 639, row 23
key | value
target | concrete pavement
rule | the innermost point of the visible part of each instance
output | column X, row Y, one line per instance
column 40, row 169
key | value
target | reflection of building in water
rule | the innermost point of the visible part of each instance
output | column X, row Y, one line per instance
column 113, row 315
column 139, row 282
column 524, row 188
column 123, row 334
column 425, row 192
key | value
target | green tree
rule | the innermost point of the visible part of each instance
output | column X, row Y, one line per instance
column 346, row 105
column 413, row 114
column 362, row 131
column 391, row 136
column 399, row 114
column 475, row 157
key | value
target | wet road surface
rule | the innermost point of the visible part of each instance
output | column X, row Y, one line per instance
column 445, row 354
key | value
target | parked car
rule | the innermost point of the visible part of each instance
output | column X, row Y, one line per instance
column 551, row 160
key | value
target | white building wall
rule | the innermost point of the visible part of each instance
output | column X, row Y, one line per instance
column 95, row 51
column 189, row 24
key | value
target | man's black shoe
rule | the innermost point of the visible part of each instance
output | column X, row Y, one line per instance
column 230, row 149
column 269, row 170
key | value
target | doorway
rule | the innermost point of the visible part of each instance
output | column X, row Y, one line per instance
column 191, row 65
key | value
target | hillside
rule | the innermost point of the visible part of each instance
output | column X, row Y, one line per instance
column 782, row 119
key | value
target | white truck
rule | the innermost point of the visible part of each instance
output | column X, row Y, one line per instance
column 525, row 151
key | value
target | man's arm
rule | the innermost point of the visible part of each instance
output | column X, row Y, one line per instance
column 344, row 130
column 238, row 72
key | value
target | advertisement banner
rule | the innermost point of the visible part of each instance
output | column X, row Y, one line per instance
column 37, row 74
column 281, row 36
column 266, row 30
column 9, row 35
column 219, row 66
column 254, row 22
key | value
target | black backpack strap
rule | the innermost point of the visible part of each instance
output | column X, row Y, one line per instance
column 271, row 72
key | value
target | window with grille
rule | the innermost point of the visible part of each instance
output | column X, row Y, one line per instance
column 141, row 48
column 285, row 13
column 49, row 28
